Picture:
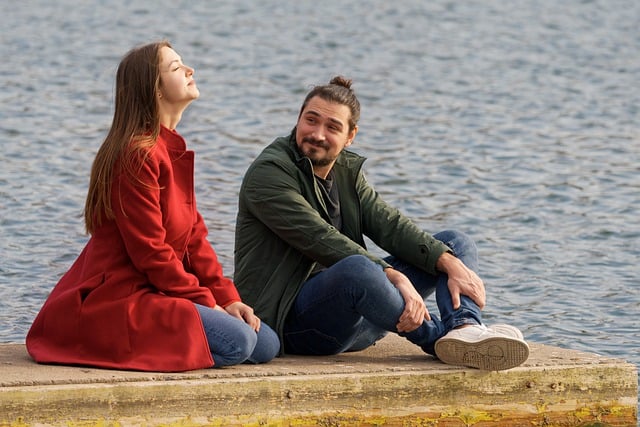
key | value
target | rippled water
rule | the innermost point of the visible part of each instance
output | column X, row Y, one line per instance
column 514, row 121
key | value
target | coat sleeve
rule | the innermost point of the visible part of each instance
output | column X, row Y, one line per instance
column 138, row 214
column 272, row 194
column 205, row 265
column 391, row 230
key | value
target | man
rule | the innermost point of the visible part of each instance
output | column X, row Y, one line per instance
column 301, row 261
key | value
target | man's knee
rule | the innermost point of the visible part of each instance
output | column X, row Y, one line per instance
column 458, row 241
column 360, row 267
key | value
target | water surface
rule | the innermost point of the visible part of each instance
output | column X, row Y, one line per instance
column 516, row 122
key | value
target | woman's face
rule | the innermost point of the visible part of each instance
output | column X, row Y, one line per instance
column 177, row 86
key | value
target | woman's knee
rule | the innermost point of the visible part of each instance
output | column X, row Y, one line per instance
column 246, row 339
column 237, row 348
column 231, row 340
column 267, row 346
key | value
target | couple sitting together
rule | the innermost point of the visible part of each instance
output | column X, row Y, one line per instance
column 147, row 291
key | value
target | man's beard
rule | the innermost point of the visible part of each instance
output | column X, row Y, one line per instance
column 321, row 161
column 324, row 161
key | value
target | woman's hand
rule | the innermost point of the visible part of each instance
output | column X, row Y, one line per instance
column 243, row 312
column 415, row 311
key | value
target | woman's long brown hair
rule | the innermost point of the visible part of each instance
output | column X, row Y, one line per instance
column 134, row 130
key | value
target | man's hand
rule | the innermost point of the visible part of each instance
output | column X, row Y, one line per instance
column 462, row 280
column 415, row 312
column 243, row 312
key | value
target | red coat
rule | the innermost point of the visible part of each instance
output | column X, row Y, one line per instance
column 127, row 301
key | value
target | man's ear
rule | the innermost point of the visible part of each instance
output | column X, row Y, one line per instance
column 352, row 136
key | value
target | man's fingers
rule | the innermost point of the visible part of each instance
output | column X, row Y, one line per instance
column 411, row 319
column 479, row 299
column 455, row 300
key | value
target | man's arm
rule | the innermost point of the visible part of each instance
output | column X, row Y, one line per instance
column 396, row 233
column 399, row 236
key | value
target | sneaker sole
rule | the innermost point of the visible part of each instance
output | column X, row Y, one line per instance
column 491, row 354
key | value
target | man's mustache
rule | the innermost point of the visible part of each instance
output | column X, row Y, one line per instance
column 316, row 142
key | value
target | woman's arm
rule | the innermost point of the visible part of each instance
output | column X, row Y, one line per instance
column 139, row 217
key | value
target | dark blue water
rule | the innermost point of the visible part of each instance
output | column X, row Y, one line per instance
column 516, row 122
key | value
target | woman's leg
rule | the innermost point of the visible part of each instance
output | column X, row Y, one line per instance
column 267, row 347
column 232, row 341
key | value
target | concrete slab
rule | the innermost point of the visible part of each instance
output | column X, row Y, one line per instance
column 392, row 383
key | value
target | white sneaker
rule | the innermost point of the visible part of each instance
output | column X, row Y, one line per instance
column 490, row 349
column 507, row 330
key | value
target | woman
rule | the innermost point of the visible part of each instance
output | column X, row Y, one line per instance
column 147, row 292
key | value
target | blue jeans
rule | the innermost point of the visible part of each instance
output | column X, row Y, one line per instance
column 351, row 305
column 232, row 341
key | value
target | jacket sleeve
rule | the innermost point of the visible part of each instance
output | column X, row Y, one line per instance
column 394, row 232
column 138, row 214
column 205, row 265
column 272, row 193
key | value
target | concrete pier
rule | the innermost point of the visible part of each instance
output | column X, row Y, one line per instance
column 392, row 383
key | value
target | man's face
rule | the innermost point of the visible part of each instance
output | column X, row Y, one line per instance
column 323, row 132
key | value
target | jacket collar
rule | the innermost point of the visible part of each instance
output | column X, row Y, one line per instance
column 172, row 139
